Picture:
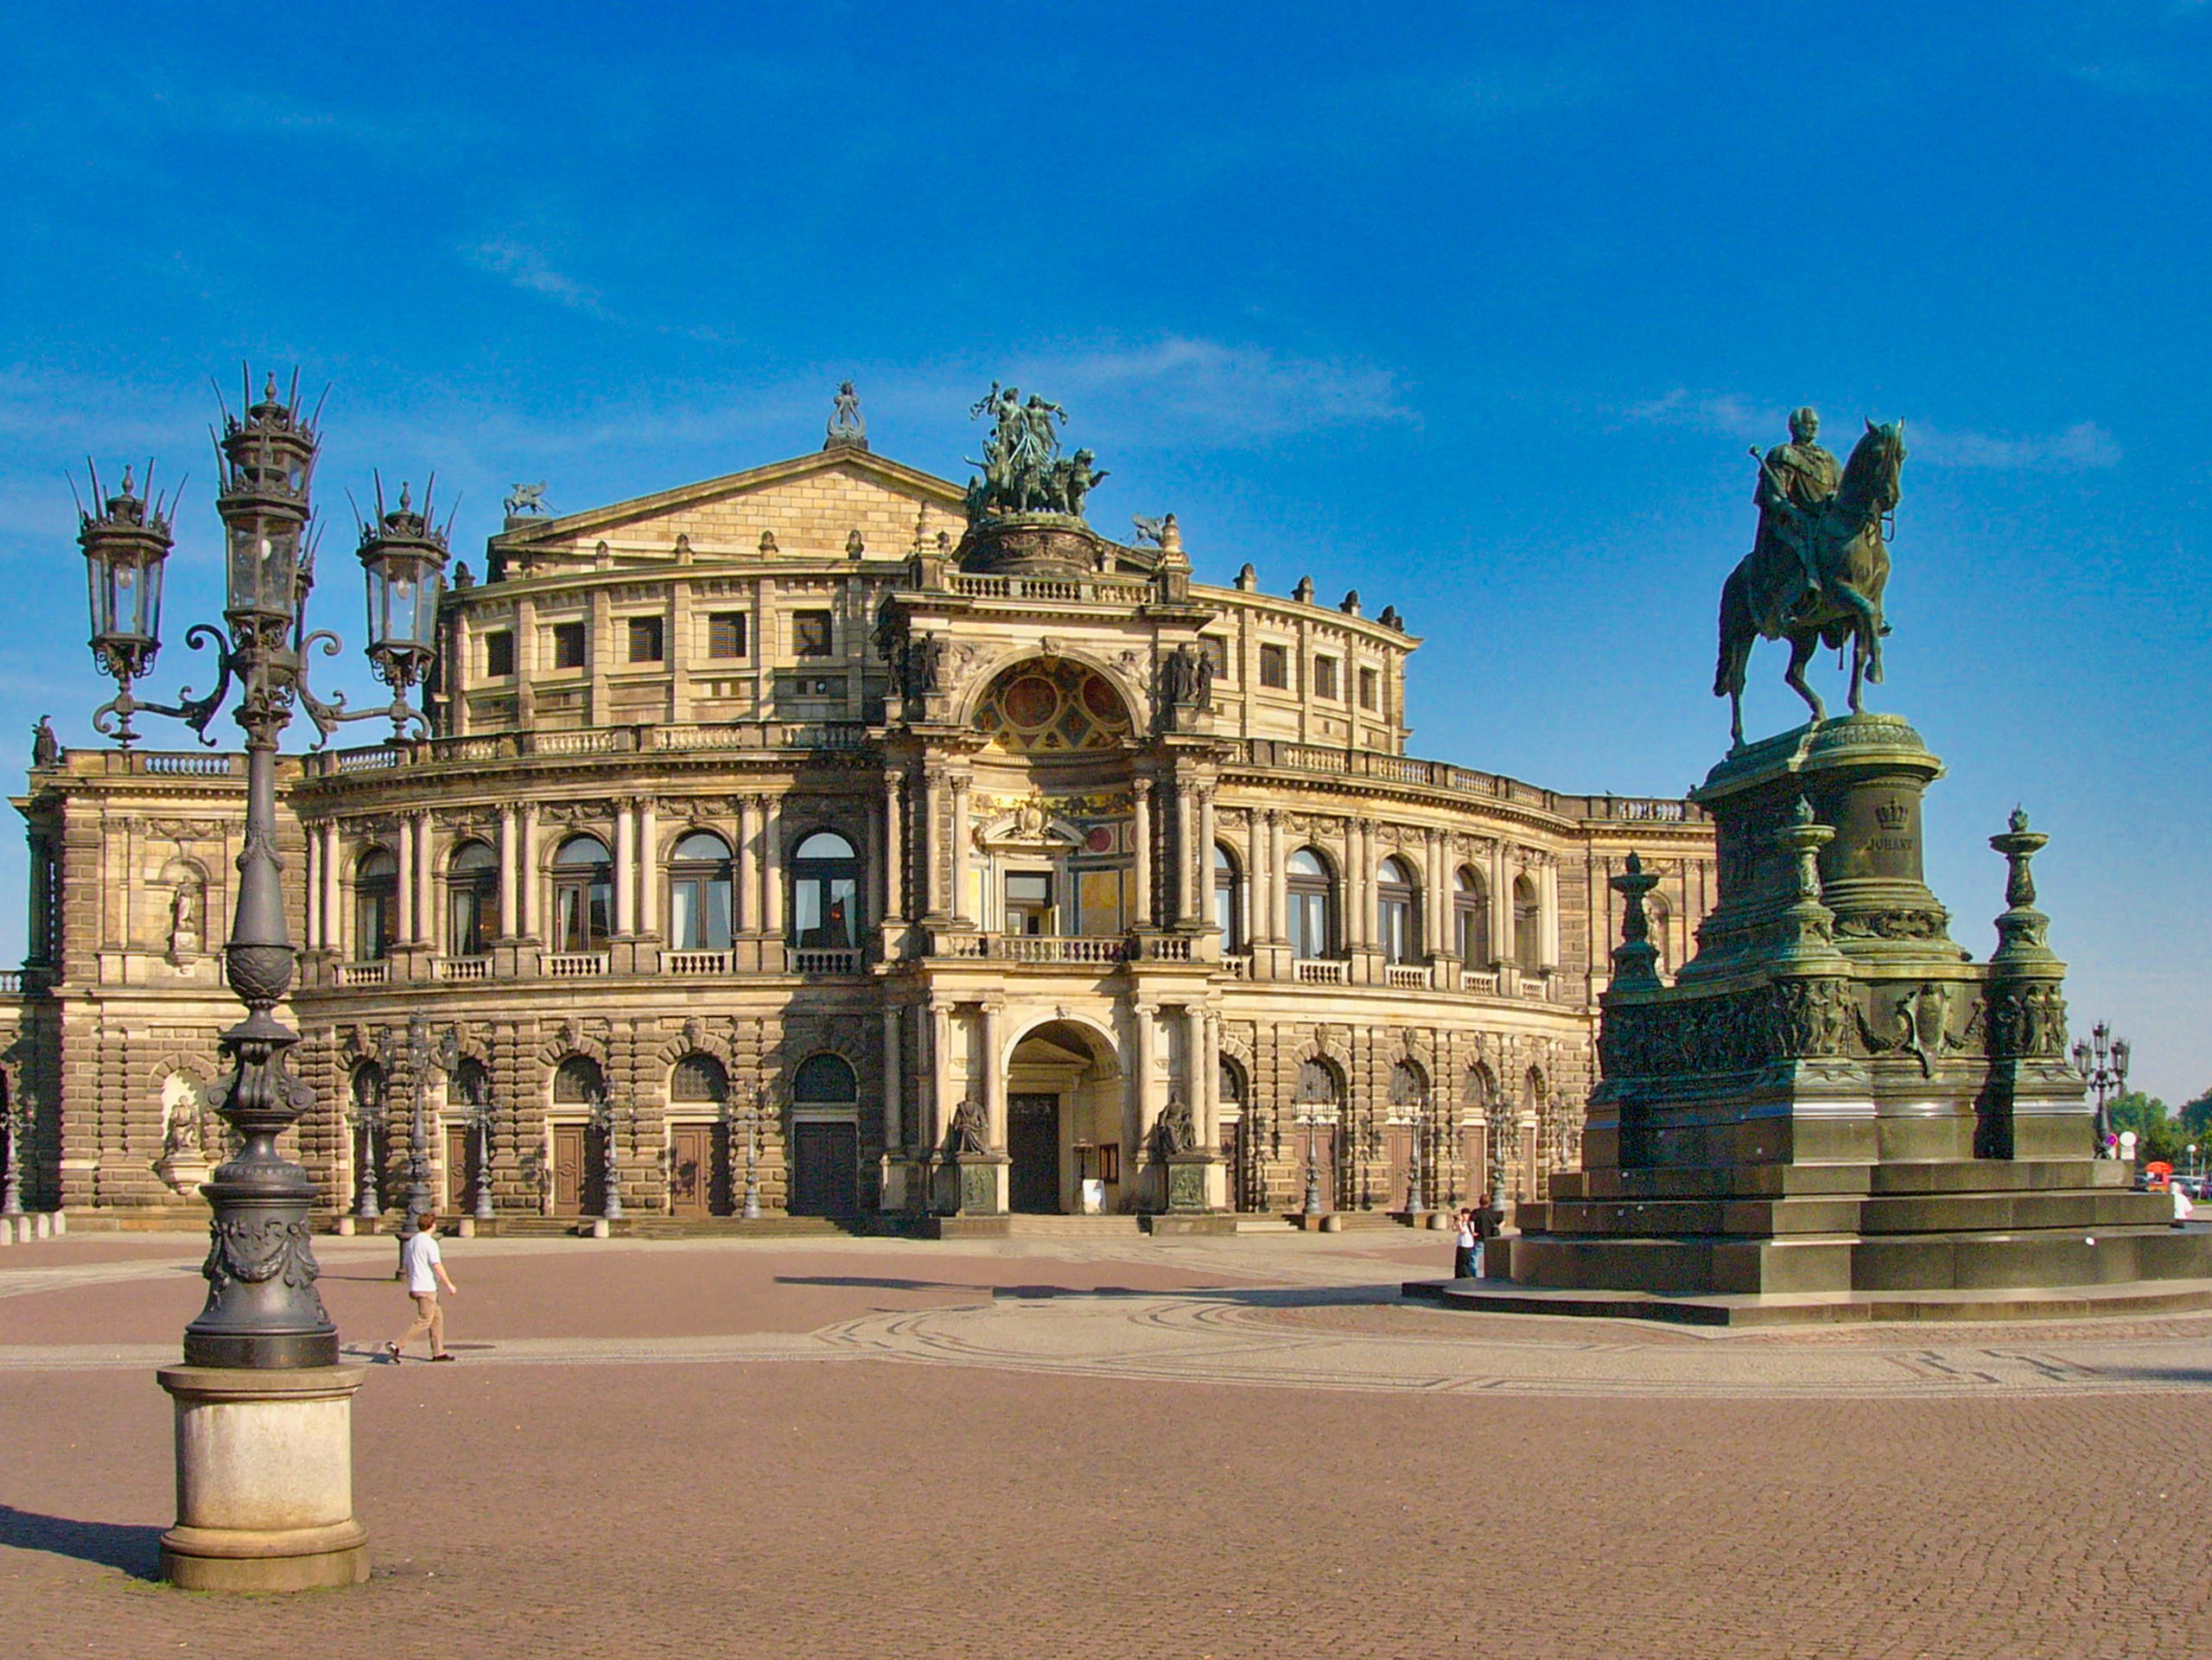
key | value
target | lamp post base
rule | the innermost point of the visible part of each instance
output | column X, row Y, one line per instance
column 265, row 1479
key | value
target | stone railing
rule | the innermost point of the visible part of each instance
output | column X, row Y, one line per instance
column 826, row 961
column 574, row 965
column 364, row 974
column 1406, row 976
column 1238, row 965
column 1481, row 980
column 1161, row 948
column 1050, row 590
column 1322, row 971
column 694, row 961
column 1282, row 755
column 674, row 738
column 464, row 968
column 1057, row 948
column 11, row 983
column 161, row 764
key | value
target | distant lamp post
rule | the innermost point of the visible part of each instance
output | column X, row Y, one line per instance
column 2102, row 1060
column 604, row 1115
column 1312, row 1122
column 481, row 1117
column 368, row 1122
column 264, row 1409
column 751, row 1210
column 15, row 1128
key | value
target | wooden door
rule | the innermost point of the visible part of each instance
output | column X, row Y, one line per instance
column 825, row 1169
column 461, row 1191
column 1033, row 1143
column 1232, row 1159
column 578, row 1170
column 691, row 1169
column 1397, row 1165
column 1318, row 1141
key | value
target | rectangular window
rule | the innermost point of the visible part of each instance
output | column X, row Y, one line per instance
column 1274, row 667
column 725, row 634
column 1325, row 677
column 567, row 645
column 500, row 654
column 811, row 633
column 1217, row 651
column 645, row 640
column 1371, row 689
column 1028, row 902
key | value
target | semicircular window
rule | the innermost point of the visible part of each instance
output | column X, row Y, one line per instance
column 1052, row 707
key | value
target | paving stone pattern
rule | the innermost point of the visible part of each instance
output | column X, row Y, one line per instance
column 943, row 1500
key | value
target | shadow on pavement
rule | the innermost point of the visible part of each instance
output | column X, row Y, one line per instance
column 134, row 1550
column 1248, row 1296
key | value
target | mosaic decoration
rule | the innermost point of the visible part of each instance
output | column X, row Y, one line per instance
column 1052, row 708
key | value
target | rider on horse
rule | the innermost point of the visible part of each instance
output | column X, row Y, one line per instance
column 1797, row 480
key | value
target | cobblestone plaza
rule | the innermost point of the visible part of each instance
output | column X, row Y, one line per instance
column 1221, row 1447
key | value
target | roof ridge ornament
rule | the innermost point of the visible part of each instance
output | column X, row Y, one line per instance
column 847, row 426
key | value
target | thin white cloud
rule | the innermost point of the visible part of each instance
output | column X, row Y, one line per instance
column 530, row 270
column 1205, row 392
column 2082, row 447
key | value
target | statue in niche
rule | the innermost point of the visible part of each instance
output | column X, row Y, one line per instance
column 183, row 1164
column 970, row 1132
column 1175, row 1134
column 185, row 905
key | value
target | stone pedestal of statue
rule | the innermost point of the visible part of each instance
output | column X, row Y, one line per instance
column 265, row 1479
column 1834, row 1104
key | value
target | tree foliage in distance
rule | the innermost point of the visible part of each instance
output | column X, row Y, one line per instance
column 2160, row 1134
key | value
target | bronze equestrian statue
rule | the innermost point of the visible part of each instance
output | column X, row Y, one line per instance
column 1816, row 574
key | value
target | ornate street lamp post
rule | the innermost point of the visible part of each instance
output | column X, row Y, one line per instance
column 1312, row 1122
column 368, row 1121
column 2102, row 1060
column 604, row 1115
column 261, row 1360
column 481, row 1116
column 14, row 1127
column 751, row 1210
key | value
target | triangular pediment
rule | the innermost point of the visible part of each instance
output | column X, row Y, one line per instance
column 810, row 505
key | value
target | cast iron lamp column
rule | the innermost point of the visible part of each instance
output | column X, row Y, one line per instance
column 368, row 1119
column 751, row 1212
column 264, row 1454
column 481, row 1118
column 14, row 1121
column 1311, row 1122
column 2102, row 1060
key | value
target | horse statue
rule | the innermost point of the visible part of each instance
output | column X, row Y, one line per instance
column 1767, row 595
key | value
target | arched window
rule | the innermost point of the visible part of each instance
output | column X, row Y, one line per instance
column 1309, row 902
column 579, row 1082
column 699, row 893
column 1397, row 926
column 1470, row 920
column 583, row 894
column 1228, row 900
column 1408, row 1089
column 824, row 1081
column 1481, row 1088
column 1527, row 924
column 1232, row 1084
column 375, row 906
column 825, row 894
column 1532, row 1091
column 471, row 900
column 699, row 1080
column 472, row 1083
column 1318, row 1086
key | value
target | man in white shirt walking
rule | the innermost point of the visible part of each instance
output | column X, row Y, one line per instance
column 426, row 1271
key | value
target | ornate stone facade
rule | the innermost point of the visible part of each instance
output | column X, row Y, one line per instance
column 773, row 821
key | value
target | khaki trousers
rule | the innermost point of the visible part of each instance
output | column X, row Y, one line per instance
column 428, row 1317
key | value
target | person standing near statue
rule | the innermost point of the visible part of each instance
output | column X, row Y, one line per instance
column 1795, row 480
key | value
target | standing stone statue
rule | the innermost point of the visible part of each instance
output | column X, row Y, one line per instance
column 46, row 748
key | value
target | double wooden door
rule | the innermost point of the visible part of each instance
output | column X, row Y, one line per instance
column 460, row 1170
column 1032, row 1143
column 825, row 1170
column 698, row 1182
column 578, row 1170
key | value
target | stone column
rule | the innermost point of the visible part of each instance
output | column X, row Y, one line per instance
column 931, row 843
column 1436, row 906
column 1277, row 892
column 406, row 895
column 1141, row 848
column 625, row 869
column 893, row 1133
column 334, row 893
column 1209, row 833
column 937, row 1104
column 1548, row 911
column 510, row 920
column 1195, row 1080
column 312, row 926
column 959, row 903
column 1501, row 905
column 426, row 895
column 748, row 897
column 994, row 1075
column 648, row 866
column 1187, row 836
column 527, row 884
column 1146, row 1103
column 772, row 869
column 894, row 852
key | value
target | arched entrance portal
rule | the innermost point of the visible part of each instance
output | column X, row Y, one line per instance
column 1063, row 1121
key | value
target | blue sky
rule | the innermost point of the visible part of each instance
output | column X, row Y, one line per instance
column 1472, row 308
